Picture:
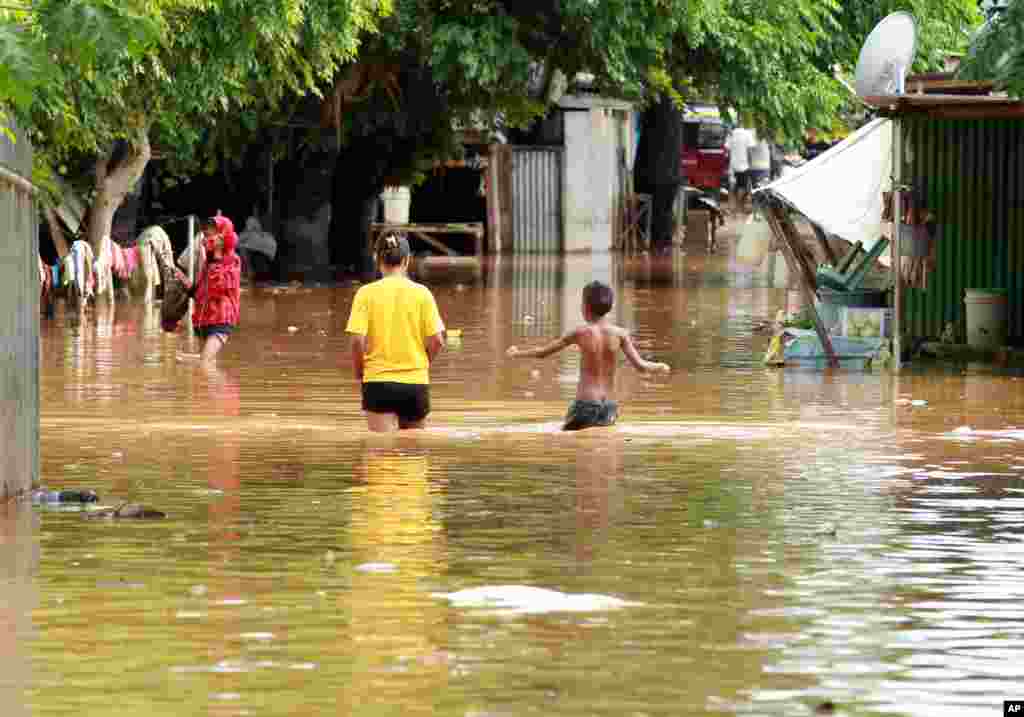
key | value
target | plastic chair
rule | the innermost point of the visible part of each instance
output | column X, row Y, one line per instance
column 846, row 278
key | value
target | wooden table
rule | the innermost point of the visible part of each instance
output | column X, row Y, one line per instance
column 433, row 234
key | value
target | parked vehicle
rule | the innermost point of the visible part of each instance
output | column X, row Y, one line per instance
column 705, row 158
column 705, row 163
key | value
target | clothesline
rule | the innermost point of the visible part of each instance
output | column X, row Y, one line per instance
column 93, row 274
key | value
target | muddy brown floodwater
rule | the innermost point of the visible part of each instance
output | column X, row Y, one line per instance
column 745, row 541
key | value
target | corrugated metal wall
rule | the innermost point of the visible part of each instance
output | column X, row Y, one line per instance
column 537, row 293
column 536, row 200
column 19, row 322
column 973, row 175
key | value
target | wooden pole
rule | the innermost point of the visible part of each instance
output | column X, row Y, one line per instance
column 784, row 231
column 826, row 248
column 192, row 248
column 493, row 200
column 897, row 221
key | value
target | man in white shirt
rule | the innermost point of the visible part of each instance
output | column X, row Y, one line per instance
column 739, row 144
column 760, row 157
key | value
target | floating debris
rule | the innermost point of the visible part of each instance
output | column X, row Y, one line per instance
column 377, row 568
column 42, row 495
column 527, row 600
column 129, row 511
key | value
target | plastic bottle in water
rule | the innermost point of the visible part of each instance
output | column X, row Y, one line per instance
column 46, row 496
column 78, row 496
column 64, row 496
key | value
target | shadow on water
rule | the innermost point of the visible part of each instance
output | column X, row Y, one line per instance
column 778, row 537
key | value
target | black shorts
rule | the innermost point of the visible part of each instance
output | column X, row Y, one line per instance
column 222, row 330
column 590, row 414
column 411, row 401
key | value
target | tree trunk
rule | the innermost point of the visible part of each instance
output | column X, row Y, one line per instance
column 354, row 197
column 113, row 182
column 659, row 167
column 353, row 208
column 60, row 242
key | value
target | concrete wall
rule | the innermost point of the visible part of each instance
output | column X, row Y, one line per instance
column 596, row 129
column 19, row 321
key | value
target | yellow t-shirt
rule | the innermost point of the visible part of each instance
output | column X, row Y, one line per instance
column 396, row 315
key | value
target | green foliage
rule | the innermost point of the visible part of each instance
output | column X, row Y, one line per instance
column 23, row 62
column 943, row 27
column 776, row 61
column 187, row 75
column 997, row 52
column 201, row 78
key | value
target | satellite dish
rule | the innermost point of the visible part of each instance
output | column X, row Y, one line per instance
column 886, row 56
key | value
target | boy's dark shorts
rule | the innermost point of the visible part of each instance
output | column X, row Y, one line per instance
column 411, row 401
column 588, row 414
column 221, row 330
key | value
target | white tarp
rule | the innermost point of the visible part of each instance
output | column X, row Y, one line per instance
column 841, row 189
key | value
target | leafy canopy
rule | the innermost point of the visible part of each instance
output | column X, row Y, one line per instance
column 997, row 52
column 176, row 72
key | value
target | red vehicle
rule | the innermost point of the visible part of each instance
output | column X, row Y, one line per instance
column 705, row 158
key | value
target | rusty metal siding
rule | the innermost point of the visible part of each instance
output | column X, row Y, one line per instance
column 536, row 200
column 19, row 322
column 973, row 175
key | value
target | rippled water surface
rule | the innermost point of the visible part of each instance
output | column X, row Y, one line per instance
column 745, row 541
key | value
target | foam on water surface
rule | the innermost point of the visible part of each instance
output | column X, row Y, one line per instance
column 527, row 600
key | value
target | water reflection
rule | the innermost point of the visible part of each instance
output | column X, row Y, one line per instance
column 598, row 473
column 18, row 596
column 298, row 566
column 398, row 549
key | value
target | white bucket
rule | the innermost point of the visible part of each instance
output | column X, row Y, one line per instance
column 396, row 204
column 755, row 242
column 986, row 317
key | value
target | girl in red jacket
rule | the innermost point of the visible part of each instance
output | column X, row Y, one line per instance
column 217, row 289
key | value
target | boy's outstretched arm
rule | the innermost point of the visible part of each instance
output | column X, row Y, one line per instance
column 545, row 350
column 639, row 363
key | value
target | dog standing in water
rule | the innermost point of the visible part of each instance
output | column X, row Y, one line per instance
column 599, row 342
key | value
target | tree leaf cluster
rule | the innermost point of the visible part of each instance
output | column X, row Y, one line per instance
column 997, row 50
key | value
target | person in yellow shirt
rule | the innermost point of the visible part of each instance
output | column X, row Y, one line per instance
column 396, row 334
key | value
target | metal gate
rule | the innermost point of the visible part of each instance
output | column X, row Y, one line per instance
column 537, row 200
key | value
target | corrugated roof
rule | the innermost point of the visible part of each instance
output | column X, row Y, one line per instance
column 945, row 105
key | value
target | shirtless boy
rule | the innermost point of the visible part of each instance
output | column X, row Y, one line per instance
column 599, row 342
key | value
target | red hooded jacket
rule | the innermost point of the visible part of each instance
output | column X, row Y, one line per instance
column 218, row 288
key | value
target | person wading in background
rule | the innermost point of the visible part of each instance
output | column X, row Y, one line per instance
column 217, row 289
